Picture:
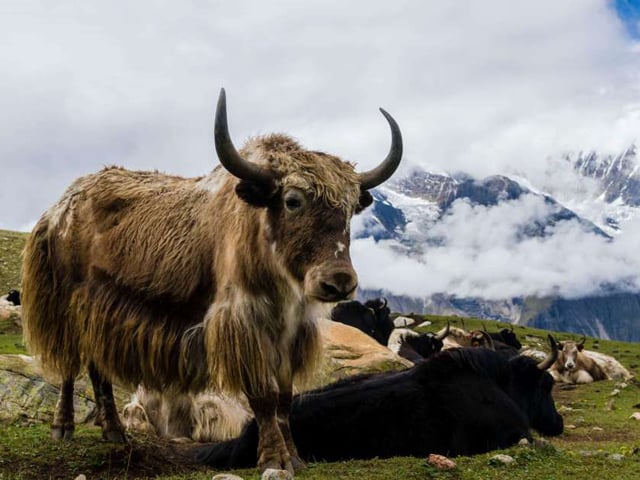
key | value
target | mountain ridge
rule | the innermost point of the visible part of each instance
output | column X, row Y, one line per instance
column 408, row 210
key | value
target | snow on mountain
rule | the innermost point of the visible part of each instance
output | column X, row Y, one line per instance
column 597, row 198
column 605, row 190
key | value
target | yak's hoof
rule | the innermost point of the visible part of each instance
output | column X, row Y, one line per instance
column 114, row 436
column 276, row 465
column 297, row 463
column 62, row 433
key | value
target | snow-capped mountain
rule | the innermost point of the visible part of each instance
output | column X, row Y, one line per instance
column 617, row 184
column 409, row 213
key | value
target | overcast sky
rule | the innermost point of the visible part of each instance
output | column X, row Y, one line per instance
column 484, row 87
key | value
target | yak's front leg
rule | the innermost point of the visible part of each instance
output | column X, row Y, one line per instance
column 284, row 409
column 272, row 450
column 63, row 427
column 106, row 411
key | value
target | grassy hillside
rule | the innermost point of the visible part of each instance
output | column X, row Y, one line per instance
column 11, row 245
column 596, row 418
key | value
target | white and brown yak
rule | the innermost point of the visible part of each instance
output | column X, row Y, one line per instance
column 180, row 284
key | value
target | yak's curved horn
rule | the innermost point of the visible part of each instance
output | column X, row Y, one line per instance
column 487, row 339
column 227, row 153
column 444, row 334
column 373, row 178
column 553, row 355
column 581, row 342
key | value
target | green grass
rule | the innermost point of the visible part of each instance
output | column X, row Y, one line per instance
column 26, row 453
column 598, row 425
column 13, row 343
column 11, row 340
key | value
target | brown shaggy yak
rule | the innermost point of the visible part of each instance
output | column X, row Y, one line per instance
column 181, row 284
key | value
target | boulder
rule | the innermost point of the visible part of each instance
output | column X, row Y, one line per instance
column 12, row 313
column 26, row 396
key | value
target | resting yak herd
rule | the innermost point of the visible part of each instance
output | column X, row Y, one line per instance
column 184, row 285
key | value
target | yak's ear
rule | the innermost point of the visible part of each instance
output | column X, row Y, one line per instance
column 256, row 194
column 364, row 201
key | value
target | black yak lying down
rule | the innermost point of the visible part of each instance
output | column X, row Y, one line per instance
column 459, row 402
column 372, row 317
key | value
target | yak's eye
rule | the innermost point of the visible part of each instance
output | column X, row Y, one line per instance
column 294, row 200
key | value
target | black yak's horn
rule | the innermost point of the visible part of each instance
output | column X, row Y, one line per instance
column 373, row 178
column 551, row 358
column 227, row 153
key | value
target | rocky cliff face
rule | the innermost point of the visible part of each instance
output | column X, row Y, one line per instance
column 618, row 176
column 614, row 316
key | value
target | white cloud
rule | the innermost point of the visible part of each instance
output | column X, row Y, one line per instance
column 482, row 254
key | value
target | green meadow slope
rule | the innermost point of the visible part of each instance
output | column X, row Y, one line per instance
column 600, row 440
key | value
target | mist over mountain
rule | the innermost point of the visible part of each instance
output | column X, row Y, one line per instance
column 561, row 254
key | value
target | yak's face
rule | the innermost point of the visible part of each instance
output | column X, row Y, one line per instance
column 310, row 237
column 308, row 209
column 568, row 355
column 509, row 337
column 426, row 344
column 532, row 390
column 309, row 199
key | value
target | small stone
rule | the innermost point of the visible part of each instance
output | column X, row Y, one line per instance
column 635, row 415
column 589, row 453
column 614, row 392
column 597, row 429
column 569, row 426
column 622, row 385
column 441, row 462
column 273, row 474
column 564, row 409
column 544, row 444
column 82, row 476
column 616, row 457
column 226, row 476
column 610, row 405
column 524, row 442
column 501, row 459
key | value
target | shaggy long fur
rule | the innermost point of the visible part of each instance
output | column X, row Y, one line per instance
column 180, row 284
column 122, row 272
column 201, row 417
column 458, row 402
